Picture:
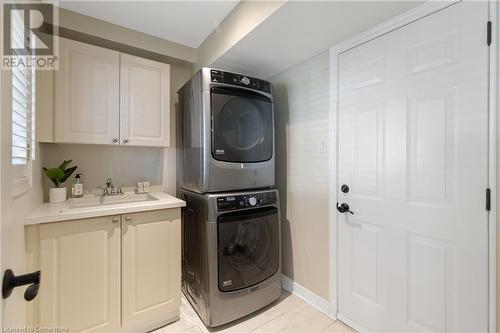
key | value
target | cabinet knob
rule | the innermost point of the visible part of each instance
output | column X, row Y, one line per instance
column 115, row 219
column 115, row 140
column 128, row 218
column 125, row 140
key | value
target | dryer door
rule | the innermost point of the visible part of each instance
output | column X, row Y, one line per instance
column 247, row 247
column 242, row 125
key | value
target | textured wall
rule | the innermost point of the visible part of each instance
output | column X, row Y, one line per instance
column 125, row 165
column 301, row 105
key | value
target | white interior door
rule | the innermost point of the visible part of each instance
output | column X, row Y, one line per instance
column 413, row 120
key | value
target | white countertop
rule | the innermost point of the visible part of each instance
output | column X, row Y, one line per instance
column 50, row 212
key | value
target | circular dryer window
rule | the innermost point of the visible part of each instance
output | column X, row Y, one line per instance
column 242, row 126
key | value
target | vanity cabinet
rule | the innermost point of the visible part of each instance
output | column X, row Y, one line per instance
column 151, row 269
column 107, row 97
column 112, row 273
column 80, row 283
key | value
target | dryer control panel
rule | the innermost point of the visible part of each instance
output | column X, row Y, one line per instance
column 217, row 76
column 246, row 201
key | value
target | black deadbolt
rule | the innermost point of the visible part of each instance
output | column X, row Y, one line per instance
column 344, row 188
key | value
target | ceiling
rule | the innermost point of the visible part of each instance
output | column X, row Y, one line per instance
column 295, row 32
column 301, row 29
column 184, row 22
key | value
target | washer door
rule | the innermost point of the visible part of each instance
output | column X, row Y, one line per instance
column 247, row 247
column 242, row 126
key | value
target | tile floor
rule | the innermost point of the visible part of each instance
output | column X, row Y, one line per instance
column 288, row 314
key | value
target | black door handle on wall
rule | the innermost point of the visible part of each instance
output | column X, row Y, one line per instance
column 344, row 208
column 11, row 281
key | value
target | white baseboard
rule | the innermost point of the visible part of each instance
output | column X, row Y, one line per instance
column 308, row 296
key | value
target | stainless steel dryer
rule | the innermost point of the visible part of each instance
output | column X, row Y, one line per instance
column 231, row 262
column 226, row 133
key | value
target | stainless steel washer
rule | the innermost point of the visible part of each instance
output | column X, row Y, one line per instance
column 231, row 262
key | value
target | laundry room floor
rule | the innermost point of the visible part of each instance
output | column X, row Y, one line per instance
column 288, row 314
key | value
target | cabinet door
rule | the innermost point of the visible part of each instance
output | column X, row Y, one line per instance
column 145, row 102
column 80, row 264
column 151, row 269
column 87, row 93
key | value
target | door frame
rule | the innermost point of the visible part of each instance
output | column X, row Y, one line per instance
column 388, row 26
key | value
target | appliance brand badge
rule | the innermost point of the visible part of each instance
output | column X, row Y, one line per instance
column 227, row 283
column 220, row 151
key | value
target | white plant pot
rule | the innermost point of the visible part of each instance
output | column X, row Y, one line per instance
column 57, row 194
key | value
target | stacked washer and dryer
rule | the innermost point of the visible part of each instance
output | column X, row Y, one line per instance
column 231, row 259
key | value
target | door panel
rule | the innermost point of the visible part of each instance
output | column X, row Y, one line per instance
column 365, row 268
column 368, row 151
column 151, row 269
column 413, row 120
column 431, row 139
column 80, row 261
column 428, row 262
column 87, row 94
column 145, row 102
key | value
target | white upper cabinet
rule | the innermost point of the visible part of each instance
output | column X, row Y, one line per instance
column 105, row 97
column 145, row 102
column 87, row 84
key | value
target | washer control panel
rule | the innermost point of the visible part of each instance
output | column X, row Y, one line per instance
column 217, row 76
column 246, row 201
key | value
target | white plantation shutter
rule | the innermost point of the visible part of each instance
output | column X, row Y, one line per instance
column 22, row 113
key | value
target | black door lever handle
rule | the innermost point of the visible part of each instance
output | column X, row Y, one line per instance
column 11, row 281
column 344, row 208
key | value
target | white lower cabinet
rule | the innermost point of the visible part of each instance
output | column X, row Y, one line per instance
column 112, row 273
column 151, row 269
column 80, row 281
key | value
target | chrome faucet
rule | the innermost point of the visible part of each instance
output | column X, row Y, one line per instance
column 109, row 189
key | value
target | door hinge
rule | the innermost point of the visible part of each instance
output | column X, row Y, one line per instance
column 488, row 33
column 488, row 199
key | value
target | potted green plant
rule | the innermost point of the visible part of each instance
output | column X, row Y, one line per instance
column 58, row 176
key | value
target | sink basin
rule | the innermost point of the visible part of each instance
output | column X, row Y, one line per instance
column 110, row 200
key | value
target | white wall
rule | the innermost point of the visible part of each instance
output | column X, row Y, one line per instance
column 125, row 165
column 123, row 37
column 301, row 109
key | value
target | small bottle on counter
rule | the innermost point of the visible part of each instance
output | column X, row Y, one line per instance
column 77, row 188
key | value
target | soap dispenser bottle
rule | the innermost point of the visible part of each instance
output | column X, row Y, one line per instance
column 77, row 188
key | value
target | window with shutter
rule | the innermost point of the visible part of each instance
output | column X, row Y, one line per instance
column 23, row 112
